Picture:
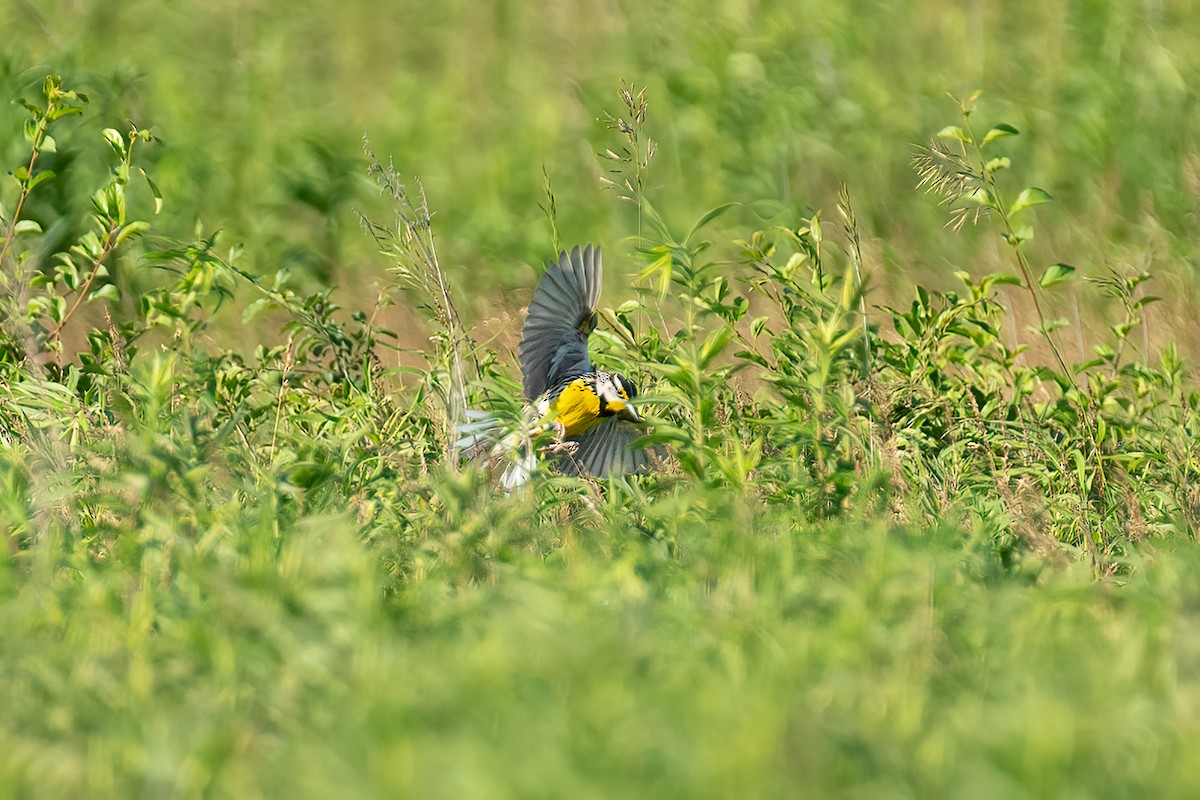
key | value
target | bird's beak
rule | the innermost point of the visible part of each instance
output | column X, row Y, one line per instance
column 628, row 413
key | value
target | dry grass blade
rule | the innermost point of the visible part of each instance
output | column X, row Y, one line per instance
column 409, row 243
column 951, row 176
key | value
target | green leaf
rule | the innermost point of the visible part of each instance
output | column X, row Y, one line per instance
column 255, row 307
column 116, row 141
column 63, row 111
column 68, row 274
column 101, row 203
column 996, row 164
column 1031, row 196
column 41, row 177
column 713, row 345
column 109, row 203
column 1056, row 273
column 89, row 245
column 999, row 132
column 135, row 228
column 27, row 226
column 984, row 197
column 154, row 190
column 955, row 133
column 57, row 308
column 1122, row 329
column 108, row 291
column 708, row 217
column 1052, row 325
column 1022, row 234
column 1147, row 300
column 628, row 307
column 758, row 325
column 661, row 267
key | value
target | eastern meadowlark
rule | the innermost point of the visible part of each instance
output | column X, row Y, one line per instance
column 591, row 410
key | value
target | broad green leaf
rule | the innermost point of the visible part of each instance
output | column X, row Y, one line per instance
column 108, row 291
column 135, row 228
column 102, row 202
column 1056, row 273
column 628, row 307
column 115, row 140
column 955, row 133
column 41, row 177
column 999, row 132
column 1031, row 196
column 27, row 226
column 89, row 245
column 64, row 111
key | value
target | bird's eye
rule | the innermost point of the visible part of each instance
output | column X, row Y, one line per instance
column 627, row 387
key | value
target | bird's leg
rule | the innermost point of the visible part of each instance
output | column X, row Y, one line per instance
column 562, row 447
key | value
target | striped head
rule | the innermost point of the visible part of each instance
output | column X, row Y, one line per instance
column 616, row 393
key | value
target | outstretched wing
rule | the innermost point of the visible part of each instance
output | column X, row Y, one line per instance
column 605, row 450
column 561, row 315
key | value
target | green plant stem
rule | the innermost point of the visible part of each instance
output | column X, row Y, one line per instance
column 1022, row 261
column 38, row 139
column 1027, row 274
column 106, row 249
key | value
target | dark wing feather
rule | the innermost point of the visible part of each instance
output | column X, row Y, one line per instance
column 554, row 339
column 605, row 450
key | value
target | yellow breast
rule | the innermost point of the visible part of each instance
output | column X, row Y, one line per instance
column 577, row 407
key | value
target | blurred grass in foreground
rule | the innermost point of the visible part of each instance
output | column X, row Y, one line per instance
column 762, row 658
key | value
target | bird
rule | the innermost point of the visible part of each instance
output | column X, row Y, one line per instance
column 592, row 411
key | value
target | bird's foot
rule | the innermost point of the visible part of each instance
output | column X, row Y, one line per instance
column 560, row 448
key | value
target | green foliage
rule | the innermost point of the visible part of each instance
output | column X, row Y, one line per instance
column 904, row 548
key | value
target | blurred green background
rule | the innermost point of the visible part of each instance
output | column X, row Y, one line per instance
column 262, row 107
